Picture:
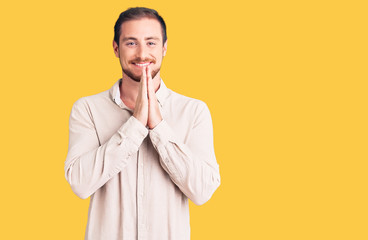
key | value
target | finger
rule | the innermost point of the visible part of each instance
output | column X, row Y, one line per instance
column 144, row 74
column 144, row 82
column 149, row 72
column 151, row 90
column 149, row 77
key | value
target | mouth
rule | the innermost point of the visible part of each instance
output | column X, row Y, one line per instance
column 142, row 64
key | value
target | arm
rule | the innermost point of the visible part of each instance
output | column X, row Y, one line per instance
column 192, row 166
column 89, row 165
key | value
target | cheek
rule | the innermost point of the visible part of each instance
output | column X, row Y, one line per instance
column 126, row 53
column 159, row 55
column 124, row 58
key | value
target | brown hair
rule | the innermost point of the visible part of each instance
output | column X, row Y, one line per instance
column 135, row 14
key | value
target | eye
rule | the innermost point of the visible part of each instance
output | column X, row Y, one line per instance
column 130, row 43
column 151, row 43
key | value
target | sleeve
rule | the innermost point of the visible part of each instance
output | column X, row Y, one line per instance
column 191, row 166
column 89, row 165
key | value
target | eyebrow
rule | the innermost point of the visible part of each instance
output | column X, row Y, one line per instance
column 135, row 39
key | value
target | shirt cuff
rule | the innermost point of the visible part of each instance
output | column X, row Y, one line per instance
column 134, row 130
column 161, row 134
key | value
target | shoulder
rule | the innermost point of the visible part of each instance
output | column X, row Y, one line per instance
column 89, row 101
column 85, row 107
column 187, row 104
column 185, row 100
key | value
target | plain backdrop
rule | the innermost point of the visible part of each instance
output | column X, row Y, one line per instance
column 285, row 81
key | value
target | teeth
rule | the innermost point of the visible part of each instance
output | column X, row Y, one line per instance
column 141, row 64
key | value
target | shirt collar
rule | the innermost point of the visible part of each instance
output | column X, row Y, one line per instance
column 161, row 94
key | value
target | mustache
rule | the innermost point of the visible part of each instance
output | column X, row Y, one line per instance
column 139, row 60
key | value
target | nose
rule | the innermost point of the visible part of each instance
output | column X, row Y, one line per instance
column 142, row 52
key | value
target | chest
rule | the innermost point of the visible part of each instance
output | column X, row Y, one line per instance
column 108, row 124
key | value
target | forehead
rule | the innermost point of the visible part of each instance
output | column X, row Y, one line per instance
column 141, row 28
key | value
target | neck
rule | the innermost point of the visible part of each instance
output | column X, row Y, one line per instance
column 129, row 89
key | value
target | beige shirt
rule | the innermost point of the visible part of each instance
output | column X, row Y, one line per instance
column 139, row 185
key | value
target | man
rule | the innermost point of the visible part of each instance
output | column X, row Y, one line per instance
column 139, row 149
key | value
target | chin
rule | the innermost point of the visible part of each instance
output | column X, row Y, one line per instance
column 136, row 77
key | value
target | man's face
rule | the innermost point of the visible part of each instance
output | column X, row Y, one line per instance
column 140, row 45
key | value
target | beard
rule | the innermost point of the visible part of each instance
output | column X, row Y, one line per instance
column 136, row 77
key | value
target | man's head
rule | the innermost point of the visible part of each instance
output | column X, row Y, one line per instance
column 140, row 40
column 136, row 14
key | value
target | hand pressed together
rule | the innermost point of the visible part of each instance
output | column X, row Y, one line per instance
column 146, row 108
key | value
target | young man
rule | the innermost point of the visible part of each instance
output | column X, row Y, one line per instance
column 139, row 149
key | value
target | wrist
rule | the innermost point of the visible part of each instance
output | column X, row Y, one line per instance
column 153, row 124
column 140, row 119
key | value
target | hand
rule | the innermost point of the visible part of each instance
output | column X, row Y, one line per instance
column 154, row 114
column 141, row 103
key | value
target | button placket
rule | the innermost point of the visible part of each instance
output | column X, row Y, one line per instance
column 140, row 192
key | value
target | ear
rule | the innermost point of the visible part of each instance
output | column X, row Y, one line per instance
column 164, row 49
column 116, row 49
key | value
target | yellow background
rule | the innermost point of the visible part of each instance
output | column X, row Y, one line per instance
column 286, row 83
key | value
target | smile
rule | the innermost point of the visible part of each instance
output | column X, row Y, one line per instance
column 142, row 64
